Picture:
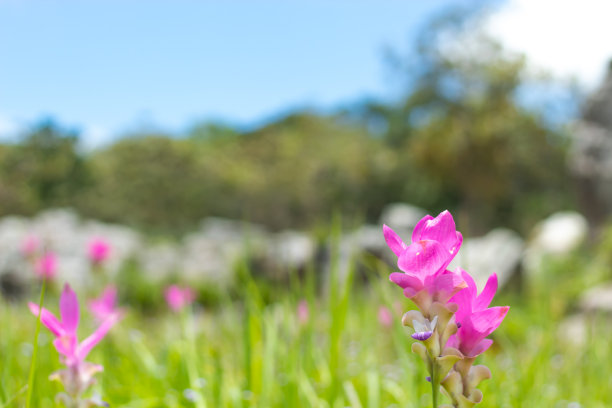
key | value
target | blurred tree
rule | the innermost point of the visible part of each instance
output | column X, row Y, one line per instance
column 295, row 172
column 465, row 141
column 43, row 170
column 208, row 131
column 148, row 181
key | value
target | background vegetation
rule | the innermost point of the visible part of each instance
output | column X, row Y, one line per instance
column 256, row 353
column 457, row 137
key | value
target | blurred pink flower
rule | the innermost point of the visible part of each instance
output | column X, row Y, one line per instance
column 30, row 245
column 303, row 311
column 78, row 375
column 385, row 318
column 106, row 305
column 46, row 266
column 474, row 317
column 65, row 330
column 99, row 250
column 178, row 297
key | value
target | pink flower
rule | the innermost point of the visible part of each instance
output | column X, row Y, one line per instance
column 303, row 312
column 106, row 305
column 385, row 318
column 66, row 343
column 178, row 297
column 46, row 266
column 30, row 246
column 435, row 242
column 474, row 317
column 99, row 250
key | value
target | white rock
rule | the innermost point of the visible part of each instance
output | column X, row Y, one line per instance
column 401, row 217
column 291, row 249
column 560, row 233
column 555, row 236
column 597, row 299
column 158, row 262
column 573, row 330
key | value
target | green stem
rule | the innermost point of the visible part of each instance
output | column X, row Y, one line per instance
column 192, row 371
column 35, row 350
column 435, row 385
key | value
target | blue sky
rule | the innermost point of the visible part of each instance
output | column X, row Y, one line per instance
column 109, row 66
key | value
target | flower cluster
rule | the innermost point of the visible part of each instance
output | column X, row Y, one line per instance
column 78, row 375
column 452, row 321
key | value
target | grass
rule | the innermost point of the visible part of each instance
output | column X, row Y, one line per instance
column 254, row 353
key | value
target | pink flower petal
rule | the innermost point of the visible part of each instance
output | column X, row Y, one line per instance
column 178, row 297
column 444, row 285
column 86, row 345
column 441, row 229
column 105, row 305
column 410, row 292
column 99, row 250
column 393, row 241
column 480, row 348
column 423, row 258
column 404, row 281
column 66, row 345
column 46, row 266
column 453, row 341
column 486, row 321
column 479, row 325
column 48, row 319
column 418, row 229
column 69, row 309
column 465, row 297
column 486, row 296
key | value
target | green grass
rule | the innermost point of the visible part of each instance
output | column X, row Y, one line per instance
column 247, row 352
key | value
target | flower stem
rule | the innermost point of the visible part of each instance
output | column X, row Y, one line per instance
column 35, row 349
column 435, row 385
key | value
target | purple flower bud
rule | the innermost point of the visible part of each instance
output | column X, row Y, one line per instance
column 428, row 378
column 422, row 336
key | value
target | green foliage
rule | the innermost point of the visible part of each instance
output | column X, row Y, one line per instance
column 43, row 170
column 250, row 354
column 152, row 181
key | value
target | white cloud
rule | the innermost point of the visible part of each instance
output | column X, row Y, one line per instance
column 569, row 38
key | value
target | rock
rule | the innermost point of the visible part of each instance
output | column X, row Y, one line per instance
column 597, row 299
column 573, row 330
column 370, row 238
column 560, row 233
column 235, row 232
column 557, row 235
column 291, row 250
column 210, row 254
column 209, row 261
column 499, row 251
column 402, row 217
column 594, row 302
column 160, row 262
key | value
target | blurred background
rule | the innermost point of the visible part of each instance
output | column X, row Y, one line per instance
column 165, row 118
column 203, row 140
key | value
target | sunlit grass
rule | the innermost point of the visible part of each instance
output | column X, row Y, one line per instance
column 252, row 353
